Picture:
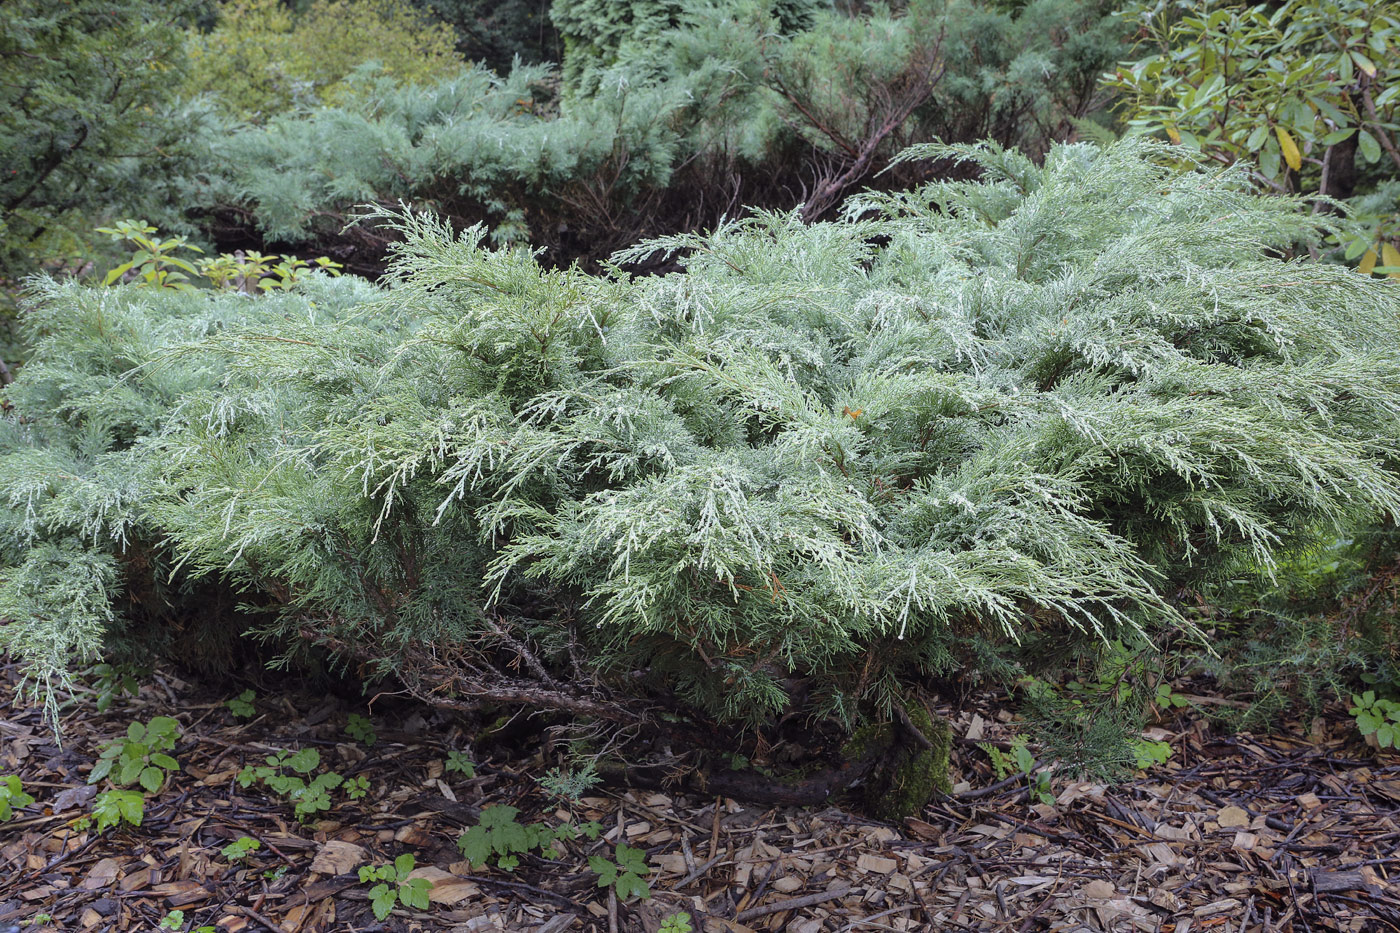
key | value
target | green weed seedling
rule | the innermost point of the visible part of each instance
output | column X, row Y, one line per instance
column 625, row 874
column 395, row 887
column 114, row 807
column 500, row 836
column 1020, row 760
column 360, row 729
column 241, row 706
column 1151, row 753
column 152, row 261
column 1377, row 716
column 113, row 681
column 12, row 796
column 356, row 788
column 141, row 757
column 241, row 848
column 1165, row 698
column 175, row 920
column 308, row 797
column 678, row 922
column 569, row 785
column 458, row 763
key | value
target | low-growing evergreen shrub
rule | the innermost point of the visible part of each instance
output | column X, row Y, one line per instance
column 822, row 466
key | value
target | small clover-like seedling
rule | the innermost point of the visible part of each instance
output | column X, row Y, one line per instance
column 12, row 795
column 625, row 875
column 175, row 920
column 356, row 788
column 460, row 764
column 241, row 848
column 1151, row 753
column 395, row 887
column 360, row 729
column 241, row 706
column 676, row 923
column 1166, row 698
column 114, row 807
column 141, row 757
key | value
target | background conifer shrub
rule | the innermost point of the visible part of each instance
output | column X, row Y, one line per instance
column 262, row 58
column 670, row 117
column 819, row 467
column 89, row 117
column 496, row 32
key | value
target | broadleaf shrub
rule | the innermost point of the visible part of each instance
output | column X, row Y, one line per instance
column 822, row 464
column 1307, row 94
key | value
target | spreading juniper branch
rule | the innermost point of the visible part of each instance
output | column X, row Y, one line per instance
column 824, row 463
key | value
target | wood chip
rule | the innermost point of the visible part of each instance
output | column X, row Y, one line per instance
column 876, row 864
column 1100, row 890
column 100, row 875
column 1232, row 817
column 338, row 858
column 447, row 888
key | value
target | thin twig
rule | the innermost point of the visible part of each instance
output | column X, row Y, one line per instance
column 795, row 903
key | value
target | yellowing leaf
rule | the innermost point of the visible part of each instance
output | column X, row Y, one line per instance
column 1368, row 262
column 1390, row 256
column 1174, row 136
column 1291, row 155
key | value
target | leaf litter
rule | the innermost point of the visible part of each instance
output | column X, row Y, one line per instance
column 1235, row 833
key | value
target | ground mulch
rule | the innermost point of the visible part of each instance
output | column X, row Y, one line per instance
column 1296, row 831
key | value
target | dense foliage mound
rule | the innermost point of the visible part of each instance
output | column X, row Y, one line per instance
column 824, row 465
column 261, row 59
column 670, row 117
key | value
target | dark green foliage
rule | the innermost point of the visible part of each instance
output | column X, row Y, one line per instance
column 496, row 32
column 839, row 456
column 1326, row 623
column 475, row 144
column 88, row 119
column 600, row 34
column 1024, row 76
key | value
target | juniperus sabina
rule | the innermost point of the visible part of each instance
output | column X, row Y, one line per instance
column 807, row 472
